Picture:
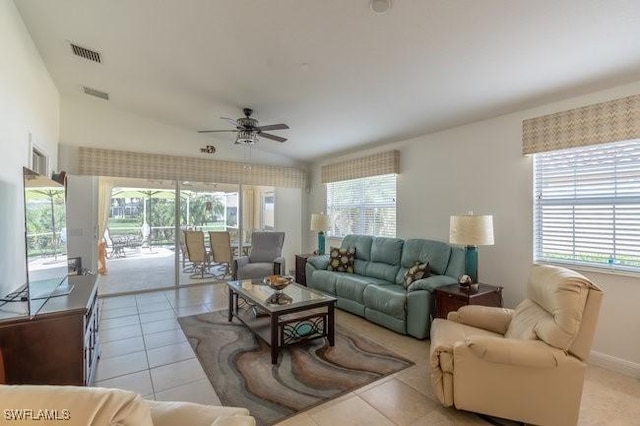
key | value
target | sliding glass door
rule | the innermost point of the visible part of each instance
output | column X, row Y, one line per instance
column 144, row 226
column 138, row 234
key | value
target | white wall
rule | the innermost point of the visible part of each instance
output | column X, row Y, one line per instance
column 82, row 219
column 29, row 104
column 288, row 219
column 480, row 167
column 92, row 122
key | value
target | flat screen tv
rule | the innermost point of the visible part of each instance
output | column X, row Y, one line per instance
column 45, row 242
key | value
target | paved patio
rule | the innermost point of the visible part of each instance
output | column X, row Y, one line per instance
column 145, row 269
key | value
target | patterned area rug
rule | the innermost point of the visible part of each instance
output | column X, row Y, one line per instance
column 238, row 365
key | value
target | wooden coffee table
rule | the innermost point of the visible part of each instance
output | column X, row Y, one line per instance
column 298, row 314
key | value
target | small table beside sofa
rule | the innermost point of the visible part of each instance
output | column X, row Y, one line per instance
column 376, row 288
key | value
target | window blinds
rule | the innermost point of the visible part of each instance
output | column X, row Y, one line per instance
column 587, row 205
column 363, row 206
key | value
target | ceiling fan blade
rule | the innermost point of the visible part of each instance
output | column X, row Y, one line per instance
column 230, row 120
column 215, row 131
column 272, row 137
column 273, row 127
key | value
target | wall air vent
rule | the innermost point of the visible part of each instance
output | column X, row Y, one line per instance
column 96, row 93
column 85, row 53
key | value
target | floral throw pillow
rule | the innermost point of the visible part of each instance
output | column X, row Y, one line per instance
column 341, row 259
column 416, row 272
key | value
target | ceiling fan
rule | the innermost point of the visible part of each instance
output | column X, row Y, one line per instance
column 248, row 129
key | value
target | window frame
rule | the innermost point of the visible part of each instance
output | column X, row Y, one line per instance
column 611, row 165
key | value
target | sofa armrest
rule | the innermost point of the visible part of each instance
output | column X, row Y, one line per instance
column 165, row 413
column 238, row 263
column 431, row 283
column 82, row 405
column 515, row 352
column 485, row 317
column 319, row 262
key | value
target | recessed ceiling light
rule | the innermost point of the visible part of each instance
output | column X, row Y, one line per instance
column 380, row 7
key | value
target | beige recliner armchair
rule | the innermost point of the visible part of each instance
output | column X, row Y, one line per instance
column 526, row 364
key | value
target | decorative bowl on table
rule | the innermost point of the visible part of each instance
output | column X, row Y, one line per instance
column 278, row 282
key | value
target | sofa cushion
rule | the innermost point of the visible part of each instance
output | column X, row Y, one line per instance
column 416, row 272
column 436, row 253
column 266, row 246
column 386, row 250
column 389, row 299
column 255, row 270
column 341, row 259
column 171, row 413
column 324, row 280
column 362, row 244
column 351, row 286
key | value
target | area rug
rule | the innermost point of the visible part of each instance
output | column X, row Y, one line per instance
column 238, row 365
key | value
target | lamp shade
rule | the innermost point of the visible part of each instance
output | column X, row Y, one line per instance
column 320, row 222
column 471, row 230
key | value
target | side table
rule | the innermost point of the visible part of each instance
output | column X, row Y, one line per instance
column 451, row 297
column 301, row 274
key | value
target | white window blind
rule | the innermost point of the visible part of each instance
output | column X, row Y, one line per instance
column 363, row 206
column 587, row 206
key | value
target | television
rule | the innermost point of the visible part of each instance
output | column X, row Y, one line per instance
column 45, row 243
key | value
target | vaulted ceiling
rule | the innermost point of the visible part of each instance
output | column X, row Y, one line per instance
column 339, row 75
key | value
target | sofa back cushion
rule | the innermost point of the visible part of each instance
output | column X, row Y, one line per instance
column 266, row 246
column 435, row 253
column 385, row 258
column 554, row 307
column 362, row 244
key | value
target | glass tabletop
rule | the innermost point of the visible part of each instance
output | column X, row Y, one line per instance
column 294, row 295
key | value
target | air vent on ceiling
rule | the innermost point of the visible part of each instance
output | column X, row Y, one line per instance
column 85, row 53
column 96, row 93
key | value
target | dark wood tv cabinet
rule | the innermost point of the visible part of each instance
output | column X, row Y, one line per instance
column 59, row 346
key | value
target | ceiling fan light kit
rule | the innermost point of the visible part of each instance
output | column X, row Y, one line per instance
column 246, row 137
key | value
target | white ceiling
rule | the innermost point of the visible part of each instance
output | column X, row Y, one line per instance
column 337, row 74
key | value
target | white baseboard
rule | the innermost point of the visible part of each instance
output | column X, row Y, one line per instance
column 613, row 363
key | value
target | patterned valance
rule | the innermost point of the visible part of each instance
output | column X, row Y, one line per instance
column 383, row 163
column 105, row 162
column 612, row 121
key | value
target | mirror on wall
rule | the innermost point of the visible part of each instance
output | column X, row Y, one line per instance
column 45, row 218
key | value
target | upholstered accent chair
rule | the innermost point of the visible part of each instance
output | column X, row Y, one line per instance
column 526, row 364
column 197, row 254
column 221, row 253
column 265, row 257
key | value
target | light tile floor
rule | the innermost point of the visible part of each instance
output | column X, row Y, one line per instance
column 144, row 350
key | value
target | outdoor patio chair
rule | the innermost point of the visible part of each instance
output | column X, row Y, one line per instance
column 197, row 253
column 183, row 252
column 115, row 246
column 221, row 252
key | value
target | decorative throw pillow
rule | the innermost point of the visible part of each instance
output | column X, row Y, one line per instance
column 416, row 272
column 341, row 259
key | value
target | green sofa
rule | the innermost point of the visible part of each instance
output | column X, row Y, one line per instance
column 375, row 290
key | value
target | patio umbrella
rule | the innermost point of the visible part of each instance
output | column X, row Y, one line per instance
column 147, row 194
column 51, row 196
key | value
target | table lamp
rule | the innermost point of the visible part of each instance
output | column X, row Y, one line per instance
column 471, row 231
column 320, row 223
